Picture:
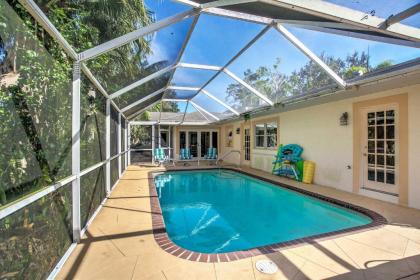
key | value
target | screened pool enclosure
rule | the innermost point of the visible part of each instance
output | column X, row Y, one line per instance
column 76, row 75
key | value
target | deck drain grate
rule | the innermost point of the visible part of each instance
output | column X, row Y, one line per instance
column 266, row 266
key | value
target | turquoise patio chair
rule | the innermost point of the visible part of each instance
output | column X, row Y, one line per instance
column 185, row 154
column 160, row 156
column 211, row 153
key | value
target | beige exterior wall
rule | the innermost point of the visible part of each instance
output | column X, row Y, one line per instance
column 414, row 148
column 330, row 145
column 235, row 144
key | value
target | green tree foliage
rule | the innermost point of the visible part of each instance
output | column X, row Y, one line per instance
column 35, row 122
column 274, row 84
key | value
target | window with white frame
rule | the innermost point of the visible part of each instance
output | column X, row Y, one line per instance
column 266, row 135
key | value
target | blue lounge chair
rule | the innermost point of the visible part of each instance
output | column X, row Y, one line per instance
column 185, row 154
column 211, row 154
column 160, row 156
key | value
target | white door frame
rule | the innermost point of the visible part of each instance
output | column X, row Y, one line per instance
column 199, row 131
column 374, row 185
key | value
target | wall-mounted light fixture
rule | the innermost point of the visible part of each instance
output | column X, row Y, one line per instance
column 238, row 130
column 344, row 119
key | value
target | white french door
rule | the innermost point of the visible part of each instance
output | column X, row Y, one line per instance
column 380, row 160
column 247, row 145
column 198, row 141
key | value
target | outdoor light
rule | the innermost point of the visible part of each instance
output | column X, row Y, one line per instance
column 238, row 130
column 344, row 119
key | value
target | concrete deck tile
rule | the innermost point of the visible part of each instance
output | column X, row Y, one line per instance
column 312, row 271
column 406, row 231
column 375, row 262
column 328, row 255
column 382, row 239
column 120, row 244
column 241, row 269
column 191, row 271
column 289, row 265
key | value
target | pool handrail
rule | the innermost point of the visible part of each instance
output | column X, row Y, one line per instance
column 227, row 154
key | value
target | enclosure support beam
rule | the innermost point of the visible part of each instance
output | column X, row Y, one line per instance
column 400, row 16
column 147, row 97
column 203, row 110
column 159, row 138
column 153, row 144
column 249, row 87
column 94, row 81
column 184, row 88
column 185, row 112
column 40, row 17
column 199, row 66
column 189, row 2
column 338, row 28
column 142, row 81
column 220, row 102
column 358, row 35
column 201, row 113
column 75, row 152
column 119, row 145
column 169, row 141
column 178, row 58
column 108, row 146
column 221, row 3
column 352, row 17
column 238, row 15
column 129, row 144
column 238, row 54
column 130, row 117
column 134, row 35
column 174, row 100
column 297, row 43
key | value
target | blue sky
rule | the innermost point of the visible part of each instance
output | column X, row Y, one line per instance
column 382, row 8
column 217, row 39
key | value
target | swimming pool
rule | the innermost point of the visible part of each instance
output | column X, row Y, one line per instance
column 213, row 211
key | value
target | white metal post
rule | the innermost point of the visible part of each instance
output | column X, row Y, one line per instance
column 75, row 152
column 159, row 137
column 298, row 44
column 169, row 141
column 126, row 144
column 129, row 144
column 108, row 146
column 153, row 144
column 119, row 145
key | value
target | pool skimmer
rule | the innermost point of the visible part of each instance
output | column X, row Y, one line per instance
column 266, row 266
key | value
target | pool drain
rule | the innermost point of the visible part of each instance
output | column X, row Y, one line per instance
column 266, row 267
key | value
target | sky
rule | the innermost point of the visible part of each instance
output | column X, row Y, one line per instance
column 382, row 8
column 216, row 40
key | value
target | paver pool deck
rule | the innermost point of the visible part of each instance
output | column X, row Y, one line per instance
column 119, row 244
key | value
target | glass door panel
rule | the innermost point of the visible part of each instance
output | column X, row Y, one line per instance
column 205, row 143
column 182, row 140
column 214, row 140
column 247, row 144
column 193, row 141
column 380, row 151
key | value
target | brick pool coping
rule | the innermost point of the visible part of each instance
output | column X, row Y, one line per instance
column 162, row 238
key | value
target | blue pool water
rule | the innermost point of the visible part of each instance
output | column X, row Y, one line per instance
column 216, row 211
